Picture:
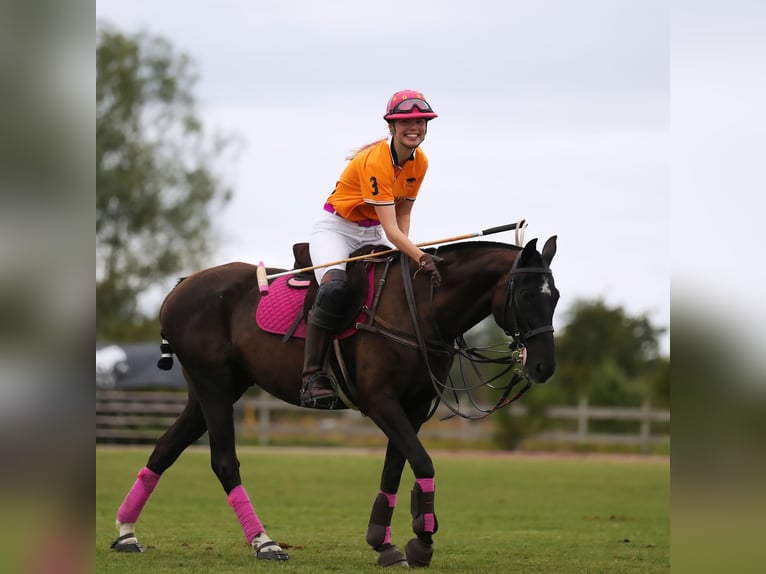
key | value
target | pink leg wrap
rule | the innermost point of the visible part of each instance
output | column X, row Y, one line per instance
column 427, row 485
column 391, row 504
column 139, row 493
column 243, row 508
column 391, row 499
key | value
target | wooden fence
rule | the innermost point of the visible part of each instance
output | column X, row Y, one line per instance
column 135, row 416
column 583, row 413
column 142, row 416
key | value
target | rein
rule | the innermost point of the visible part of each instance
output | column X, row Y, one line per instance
column 512, row 359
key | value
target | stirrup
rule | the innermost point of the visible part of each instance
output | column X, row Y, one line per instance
column 325, row 402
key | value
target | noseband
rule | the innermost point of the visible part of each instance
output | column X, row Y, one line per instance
column 512, row 325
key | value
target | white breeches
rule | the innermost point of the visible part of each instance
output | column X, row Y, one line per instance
column 334, row 238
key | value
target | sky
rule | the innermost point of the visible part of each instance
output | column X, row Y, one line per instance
column 556, row 112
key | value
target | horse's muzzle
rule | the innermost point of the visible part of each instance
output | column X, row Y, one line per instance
column 539, row 359
column 540, row 372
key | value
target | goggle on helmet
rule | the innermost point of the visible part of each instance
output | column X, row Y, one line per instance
column 408, row 104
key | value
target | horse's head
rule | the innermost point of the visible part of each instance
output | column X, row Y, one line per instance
column 523, row 306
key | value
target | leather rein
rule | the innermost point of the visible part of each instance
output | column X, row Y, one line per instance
column 512, row 359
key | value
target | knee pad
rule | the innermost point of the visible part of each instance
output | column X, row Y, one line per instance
column 331, row 310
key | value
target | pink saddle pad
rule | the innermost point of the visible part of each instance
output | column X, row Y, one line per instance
column 277, row 311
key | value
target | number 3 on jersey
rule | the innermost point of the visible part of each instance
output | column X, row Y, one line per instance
column 374, row 183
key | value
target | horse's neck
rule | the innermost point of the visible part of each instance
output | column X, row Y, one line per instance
column 467, row 299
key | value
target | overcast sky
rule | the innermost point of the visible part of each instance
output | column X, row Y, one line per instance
column 555, row 111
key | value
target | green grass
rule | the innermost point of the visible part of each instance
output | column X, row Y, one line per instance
column 496, row 514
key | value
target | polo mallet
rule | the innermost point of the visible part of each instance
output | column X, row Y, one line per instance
column 263, row 279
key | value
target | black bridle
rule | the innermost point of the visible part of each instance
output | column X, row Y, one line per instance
column 509, row 321
column 511, row 328
column 512, row 360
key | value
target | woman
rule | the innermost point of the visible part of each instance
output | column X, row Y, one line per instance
column 374, row 196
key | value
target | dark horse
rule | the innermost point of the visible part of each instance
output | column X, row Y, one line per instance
column 208, row 323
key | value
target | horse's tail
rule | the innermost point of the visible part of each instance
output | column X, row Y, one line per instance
column 165, row 362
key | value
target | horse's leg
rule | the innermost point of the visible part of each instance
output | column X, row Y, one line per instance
column 188, row 427
column 401, row 429
column 217, row 407
column 379, row 528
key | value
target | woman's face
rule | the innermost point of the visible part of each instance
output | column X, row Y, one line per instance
column 409, row 133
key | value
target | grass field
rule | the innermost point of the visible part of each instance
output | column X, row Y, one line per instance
column 496, row 514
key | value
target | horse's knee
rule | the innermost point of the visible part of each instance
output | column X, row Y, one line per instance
column 423, row 468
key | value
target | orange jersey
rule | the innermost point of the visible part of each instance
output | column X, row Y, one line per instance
column 371, row 179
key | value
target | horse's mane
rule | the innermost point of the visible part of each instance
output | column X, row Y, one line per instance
column 447, row 248
column 452, row 247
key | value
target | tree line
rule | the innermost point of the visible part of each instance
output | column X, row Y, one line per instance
column 158, row 180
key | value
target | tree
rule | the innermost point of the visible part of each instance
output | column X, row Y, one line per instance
column 155, row 178
column 606, row 354
column 602, row 353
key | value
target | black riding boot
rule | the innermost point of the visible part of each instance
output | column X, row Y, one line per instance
column 317, row 388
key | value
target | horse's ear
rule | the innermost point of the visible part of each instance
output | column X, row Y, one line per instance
column 549, row 250
column 529, row 249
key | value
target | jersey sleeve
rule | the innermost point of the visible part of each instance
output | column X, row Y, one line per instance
column 376, row 176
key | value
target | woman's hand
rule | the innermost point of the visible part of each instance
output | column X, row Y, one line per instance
column 428, row 264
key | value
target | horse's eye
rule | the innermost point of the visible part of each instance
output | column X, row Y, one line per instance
column 524, row 293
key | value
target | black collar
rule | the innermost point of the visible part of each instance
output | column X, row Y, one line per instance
column 396, row 159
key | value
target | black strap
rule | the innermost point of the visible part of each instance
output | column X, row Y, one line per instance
column 293, row 326
column 410, row 294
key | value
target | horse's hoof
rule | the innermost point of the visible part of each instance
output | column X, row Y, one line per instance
column 390, row 555
column 418, row 554
column 120, row 546
column 270, row 550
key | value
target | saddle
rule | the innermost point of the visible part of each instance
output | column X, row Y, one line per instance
column 284, row 310
column 304, row 279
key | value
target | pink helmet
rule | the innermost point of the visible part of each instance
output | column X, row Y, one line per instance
column 408, row 104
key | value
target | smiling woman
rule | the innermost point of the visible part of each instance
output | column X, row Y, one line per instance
column 373, row 197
